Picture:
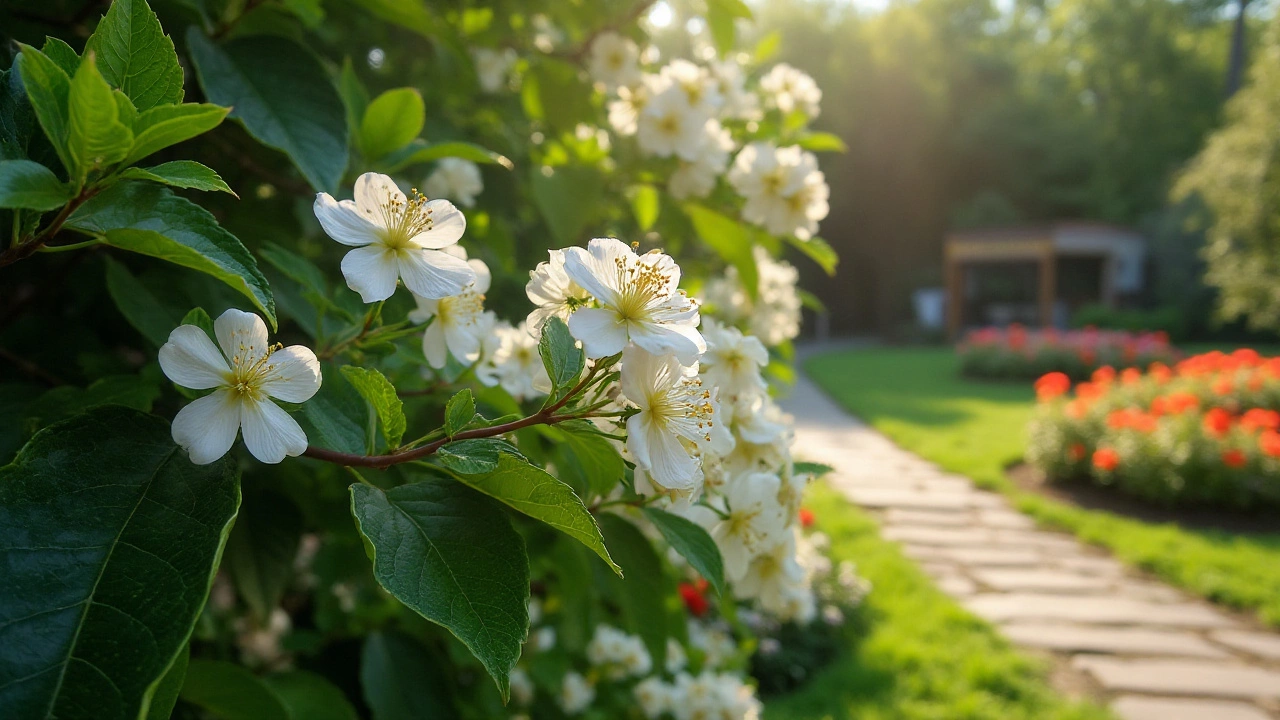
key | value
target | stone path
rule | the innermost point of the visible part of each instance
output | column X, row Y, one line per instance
column 1150, row 651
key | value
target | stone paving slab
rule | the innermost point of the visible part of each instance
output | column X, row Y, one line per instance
column 932, row 518
column 1039, row 580
column 1263, row 645
column 1182, row 677
column 1111, row 640
column 1101, row 610
column 1134, row 707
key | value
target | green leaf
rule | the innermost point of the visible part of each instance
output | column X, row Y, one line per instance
column 335, row 416
column 282, row 95
column 132, row 391
column 111, row 541
column 644, row 205
column 420, row 151
column 401, row 680
column 409, row 14
column 569, row 197
column 199, row 318
column 720, row 18
column 591, row 457
column 29, row 185
column 811, row 468
column 62, row 54
column 48, row 90
column 819, row 251
column 187, row 174
column 151, row 220
column 97, row 138
column 535, row 492
column 354, row 95
column 730, row 240
column 231, row 692
column 690, row 540
column 170, row 685
column 811, row 301
column 375, row 388
column 642, row 593
column 166, row 125
column 261, row 551
column 822, row 142
column 135, row 55
column 476, row 456
column 554, row 91
column 308, row 696
column 561, row 356
column 144, row 311
column 459, row 411
column 391, row 122
column 767, row 47
column 20, row 136
column 451, row 554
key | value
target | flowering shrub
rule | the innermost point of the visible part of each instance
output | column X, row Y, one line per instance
column 1018, row 353
column 1205, row 431
column 449, row 403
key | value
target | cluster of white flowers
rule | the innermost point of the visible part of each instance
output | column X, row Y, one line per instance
column 681, row 110
column 706, row 695
column 618, row 655
column 455, row 179
column 774, row 315
column 493, row 67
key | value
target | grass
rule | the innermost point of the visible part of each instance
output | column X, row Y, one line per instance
column 916, row 397
column 922, row 657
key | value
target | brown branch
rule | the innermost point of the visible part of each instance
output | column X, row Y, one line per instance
column 24, row 250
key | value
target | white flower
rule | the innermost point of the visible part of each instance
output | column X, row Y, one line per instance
column 676, row 658
column 554, row 293
column 783, row 188
column 730, row 81
column 460, row 324
column 668, row 126
column 675, row 415
column 493, row 67
column 543, row 639
column 576, row 694
column 773, row 577
column 521, row 687
column 246, row 373
column 517, row 364
column 456, row 179
column 775, row 318
column 653, row 696
column 733, row 361
column 395, row 238
column 618, row 654
column 640, row 302
column 624, row 113
column 701, row 91
column 698, row 178
column 788, row 89
column 751, row 521
column 614, row 60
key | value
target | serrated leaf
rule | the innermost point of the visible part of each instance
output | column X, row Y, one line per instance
column 730, row 240
column 402, row 681
column 282, row 95
column 459, row 411
column 231, row 692
column 187, row 174
column 535, row 492
column 476, row 456
column 642, row 593
column 135, row 55
column 165, row 125
column 693, row 542
column 308, row 696
column 97, row 137
column 262, row 549
column 20, row 136
column 29, row 185
column 144, row 311
column 111, row 543
column 561, row 356
column 644, row 205
column 49, row 90
column 151, row 220
column 451, row 555
column 818, row 251
column 62, row 54
column 375, row 388
column 822, row 142
column 391, row 122
column 420, row 151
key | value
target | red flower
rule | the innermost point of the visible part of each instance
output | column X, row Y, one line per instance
column 806, row 517
column 1104, row 375
column 1234, row 458
column 1256, row 419
column 1269, row 443
column 1052, row 385
column 1131, row 376
column 1217, row 422
column 694, row 599
column 1076, row 452
column 1160, row 372
column 1223, row 385
column 1106, row 459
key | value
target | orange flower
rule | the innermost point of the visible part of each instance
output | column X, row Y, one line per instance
column 806, row 517
column 1052, row 385
column 1223, row 385
column 1179, row 402
column 1076, row 409
column 1160, row 372
column 1256, row 419
column 1106, row 459
column 1234, row 458
column 1131, row 376
column 1104, row 375
column 1076, row 452
column 1269, row 443
column 1217, row 422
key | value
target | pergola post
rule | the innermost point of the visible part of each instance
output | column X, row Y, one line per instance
column 1047, row 285
column 955, row 296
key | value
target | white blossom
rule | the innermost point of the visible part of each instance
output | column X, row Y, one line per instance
column 675, row 415
column 493, row 67
column 618, row 654
column 614, row 60
column 787, row 88
column 517, row 365
column 748, row 523
column 576, row 693
column 654, row 697
column 785, row 192
column 701, row 90
column 245, row 374
column 668, row 126
column 733, row 361
column 553, row 292
column 730, row 82
column 395, row 238
column 697, row 178
column 521, row 687
column 460, row 323
column 456, row 179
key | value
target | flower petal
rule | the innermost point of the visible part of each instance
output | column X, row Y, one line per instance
column 434, row 274
column 599, row 330
column 596, row 268
column 292, row 374
column 344, row 222
column 670, row 464
column 206, row 428
column 191, row 360
column 683, row 341
column 371, row 271
column 434, row 345
column 463, row 342
column 269, row 432
column 242, row 337
column 373, row 191
column 447, row 225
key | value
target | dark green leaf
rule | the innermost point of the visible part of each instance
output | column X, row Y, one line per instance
column 730, row 240
column 690, row 540
column 151, row 220
column 420, row 151
column 166, row 125
column 187, row 174
column 335, row 416
column 20, row 136
column 354, row 95
column 819, row 251
column 166, row 693
column 111, row 543
column 97, row 137
column 401, row 680
column 199, row 318
column 811, row 301
column 25, row 184
column 231, row 692
column 536, row 493
column 410, row 14
column 459, row 411
column 144, row 311
column 568, row 197
column 135, row 55
column 48, row 90
column 644, row 205
column 374, row 387
column 392, row 120
column 62, row 54
column 308, row 696
column 132, row 391
column 642, row 593
column 554, row 91
column 592, row 457
column 475, row 457
column 561, row 356
column 261, row 551
column 811, row 468
column 451, row 554
column 282, row 95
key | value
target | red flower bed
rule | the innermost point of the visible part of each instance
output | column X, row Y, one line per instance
column 1018, row 353
column 1206, row 430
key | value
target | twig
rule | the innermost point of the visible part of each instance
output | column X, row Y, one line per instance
column 31, row 368
column 24, row 250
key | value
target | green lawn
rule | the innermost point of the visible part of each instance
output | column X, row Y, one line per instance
column 923, row 657
column 974, row 428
